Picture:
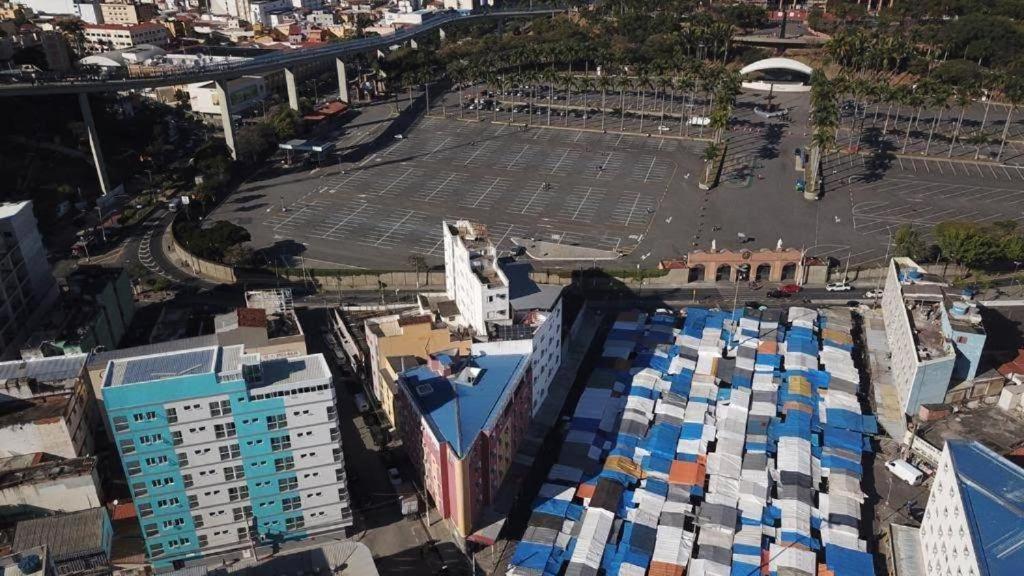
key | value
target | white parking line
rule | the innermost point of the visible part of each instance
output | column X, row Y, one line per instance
column 516, row 159
column 486, row 192
column 343, row 222
column 396, row 181
column 440, row 186
column 478, row 150
column 288, row 219
column 653, row 159
column 393, row 228
column 439, row 146
column 630, row 216
column 582, row 202
column 532, row 198
column 560, row 160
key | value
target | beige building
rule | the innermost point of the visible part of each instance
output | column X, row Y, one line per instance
column 101, row 37
column 397, row 343
column 127, row 12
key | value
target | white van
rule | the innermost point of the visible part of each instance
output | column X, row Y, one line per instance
column 905, row 471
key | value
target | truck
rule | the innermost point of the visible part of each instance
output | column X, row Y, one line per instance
column 905, row 471
column 174, row 204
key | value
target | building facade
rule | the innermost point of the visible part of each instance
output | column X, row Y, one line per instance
column 394, row 336
column 33, row 482
column 224, row 450
column 973, row 524
column 127, row 12
column 934, row 337
column 101, row 37
column 49, row 415
column 244, row 92
column 472, row 277
column 461, row 420
column 27, row 287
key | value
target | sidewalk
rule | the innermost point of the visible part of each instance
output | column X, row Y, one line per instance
column 886, row 398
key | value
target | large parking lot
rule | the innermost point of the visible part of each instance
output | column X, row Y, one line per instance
column 585, row 188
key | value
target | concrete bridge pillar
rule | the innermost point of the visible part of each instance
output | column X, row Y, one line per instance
column 342, row 81
column 94, row 142
column 223, row 94
column 293, row 94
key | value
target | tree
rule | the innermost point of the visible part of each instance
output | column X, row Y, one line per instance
column 238, row 255
column 966, row 243
column 419, row 264
column 907, row 242
column 286, row 123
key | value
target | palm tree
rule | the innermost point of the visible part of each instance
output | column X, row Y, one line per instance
column 989, row 83
column 1014, row 90
column 939, row 98
column 915, row 99
column 604, row 83
column 643, row 82
column 585, row 86
column 624, row 82
column 964, row 97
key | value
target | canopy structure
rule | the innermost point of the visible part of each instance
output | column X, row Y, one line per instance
column 778, row 74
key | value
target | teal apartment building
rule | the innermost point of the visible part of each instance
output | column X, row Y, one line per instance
column 226, row 451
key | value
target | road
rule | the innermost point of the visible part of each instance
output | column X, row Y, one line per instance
column 81, row 82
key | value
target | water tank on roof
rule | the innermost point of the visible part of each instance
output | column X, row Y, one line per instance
column 960, row 308
column 30, row 564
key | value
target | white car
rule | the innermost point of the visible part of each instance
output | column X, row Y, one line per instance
column 838, row 287
column 663, row 128
column 876, row 293
column 699, row 121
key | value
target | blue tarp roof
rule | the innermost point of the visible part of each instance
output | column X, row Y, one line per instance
column 992, row 491
column 530, row 555
column 845, row 562
column 457, row 411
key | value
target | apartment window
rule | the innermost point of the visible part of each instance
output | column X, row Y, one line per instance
column 294, row 523
column 156, row 550
column 339, row 474
column 286, row 463
column 145, row 510
column 139, row 489
column 337, row 454
column 332, row 412
column 172, row 415
column 224, row 430
column 151, row 530
column 193, row 501
column 187, row 480
column 243, row 532
column 198, row 520
column 148, row 439
column 222, row 408
column 242, row 512
column 277, row 421
column 288, row 483
column 238, row 493
column 120, row 424
column 167, row 502
column 234, row 472
column 280, row 443
column 203, row 540
column 156, row 460
column 289, row 504
column 174, row 523
column 335, row 435
column 176, row 438
column 127, row 446
column 144, row 416
column 182, row 459
column 133, row 467
column 229, row 452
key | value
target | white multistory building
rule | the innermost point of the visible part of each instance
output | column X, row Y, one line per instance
column 974, row 521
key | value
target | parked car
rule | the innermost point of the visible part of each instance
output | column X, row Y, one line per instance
column 790, row 289
column 778, row 293
column 874, row 293
column 395, row 477
column 838, row 287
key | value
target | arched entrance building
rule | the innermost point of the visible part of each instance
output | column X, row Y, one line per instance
column 777, row 74
column 763, row 265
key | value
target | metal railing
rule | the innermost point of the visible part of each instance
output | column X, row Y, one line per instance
column 94, row 79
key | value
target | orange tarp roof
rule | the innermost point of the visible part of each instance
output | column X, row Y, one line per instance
column 768, row 347
column 689, row 473
column 585, row 491
column 624, row 465
column 665, row 569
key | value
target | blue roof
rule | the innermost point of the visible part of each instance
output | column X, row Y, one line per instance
column 458, row 411
column 992, row 490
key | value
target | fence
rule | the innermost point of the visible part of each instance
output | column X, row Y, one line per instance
column 201, row 267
